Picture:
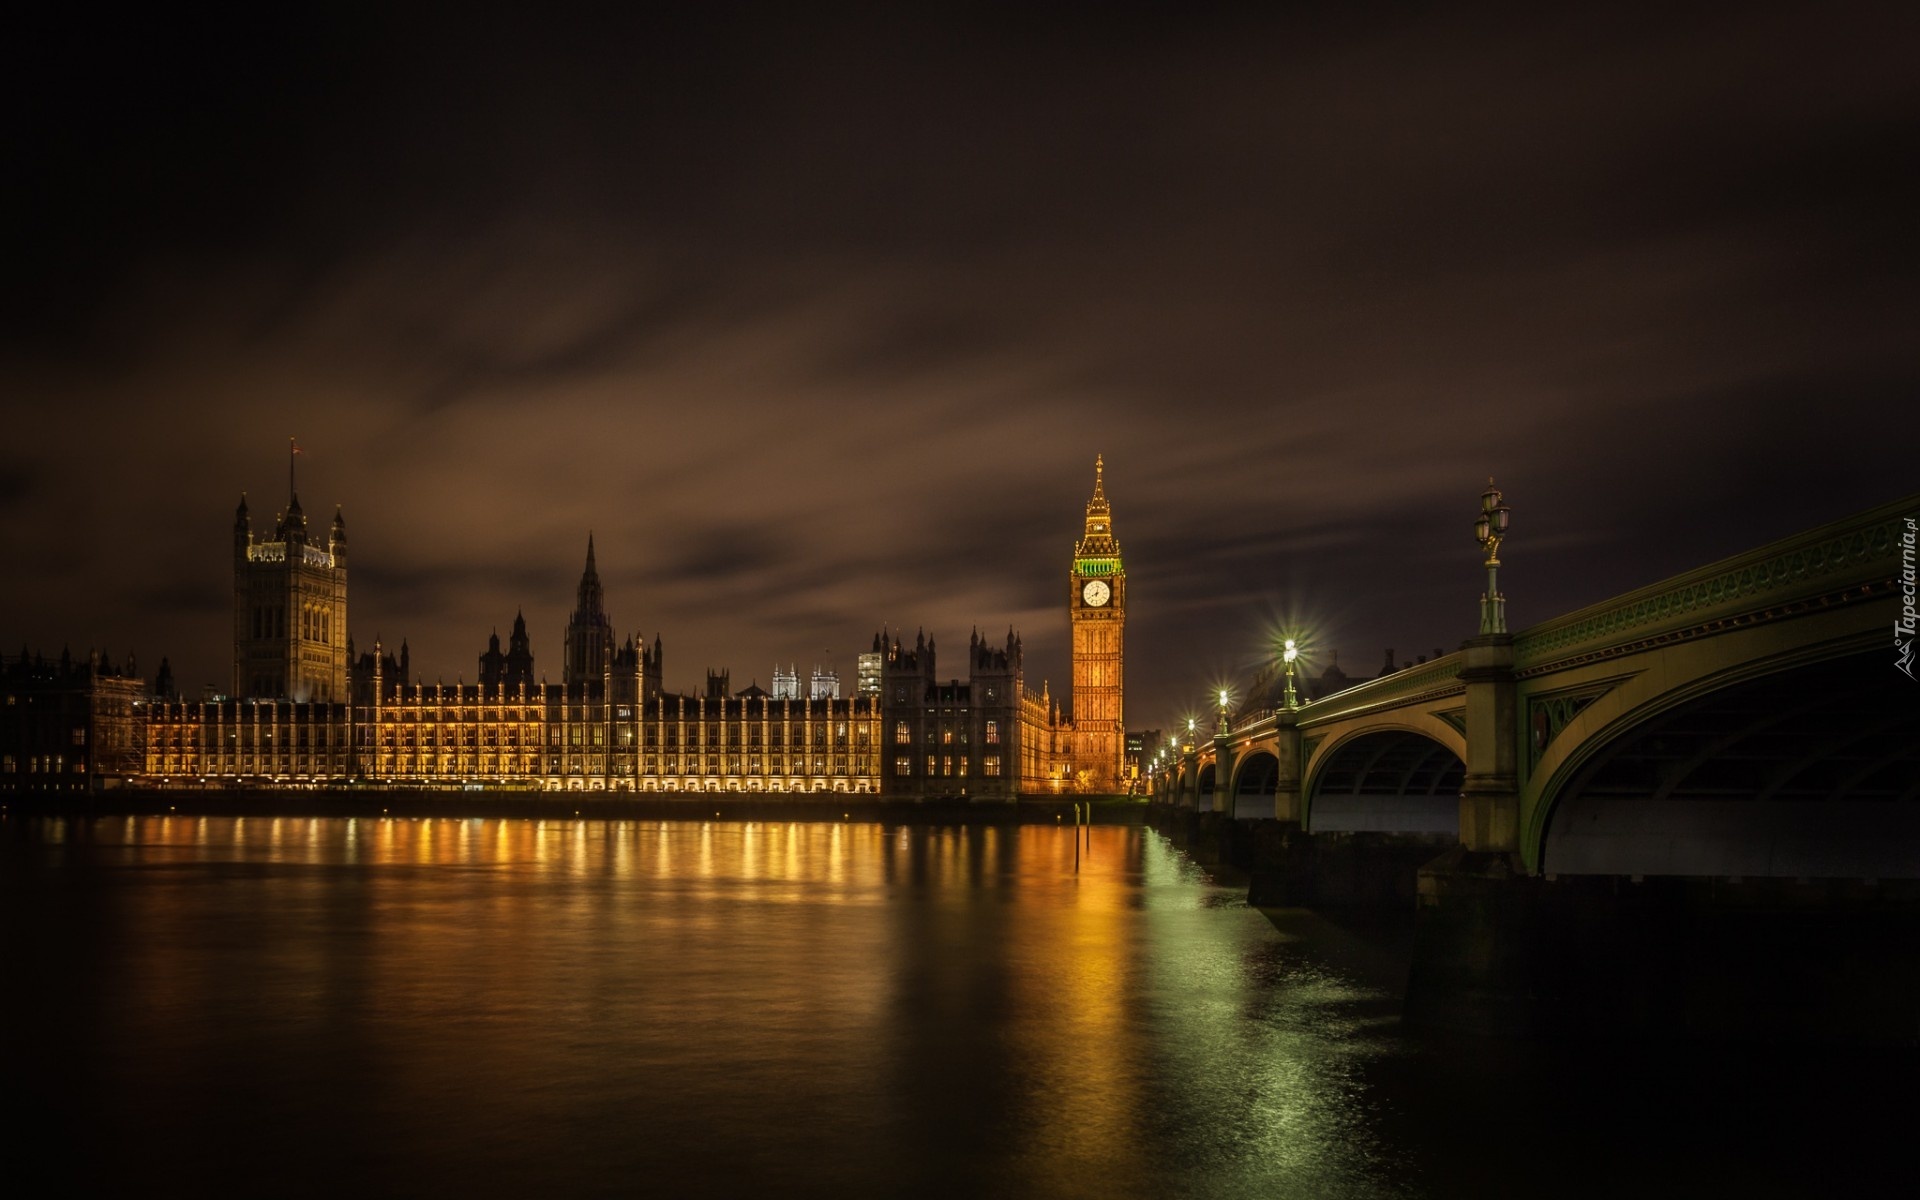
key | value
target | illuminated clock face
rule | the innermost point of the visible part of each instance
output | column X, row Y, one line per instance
column 1096, row 592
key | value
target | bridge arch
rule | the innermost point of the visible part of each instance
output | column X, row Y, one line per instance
column 1205, row 787
column 1807, row 770
column 1389, row 780
column 1256, row 778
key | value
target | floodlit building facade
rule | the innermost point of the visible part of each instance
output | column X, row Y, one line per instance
column 305, row 712
column 289, row 608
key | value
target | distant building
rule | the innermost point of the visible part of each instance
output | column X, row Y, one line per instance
column 70, row 726
column 825, row 685
column 870, row 669
column 1142, row 747
column 786, row 684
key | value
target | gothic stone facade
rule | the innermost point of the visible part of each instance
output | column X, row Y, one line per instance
column 1097, row 606
column 300, row 716
column 988, row 737
column 289, row 610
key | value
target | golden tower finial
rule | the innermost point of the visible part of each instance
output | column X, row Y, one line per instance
column 1098, row 538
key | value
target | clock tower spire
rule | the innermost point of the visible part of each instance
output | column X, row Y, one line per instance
column 1097, row 609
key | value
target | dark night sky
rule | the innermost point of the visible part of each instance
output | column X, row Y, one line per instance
column 818, row 322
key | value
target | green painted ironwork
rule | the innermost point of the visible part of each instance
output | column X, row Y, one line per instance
column 1850, row 552
column 1549, row 714
column 1438, row 677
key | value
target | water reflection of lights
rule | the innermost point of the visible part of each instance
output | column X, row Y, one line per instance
column 1113, row 1017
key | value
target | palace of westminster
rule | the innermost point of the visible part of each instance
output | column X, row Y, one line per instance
column 306, row 711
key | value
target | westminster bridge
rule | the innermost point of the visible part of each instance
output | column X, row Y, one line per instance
column 1743, row 736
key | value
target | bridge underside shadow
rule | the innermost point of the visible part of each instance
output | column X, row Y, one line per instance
column 1379, row 807
column 1393, row 781
column 1812, row 773
column 1254, row 788
column 1743, row 864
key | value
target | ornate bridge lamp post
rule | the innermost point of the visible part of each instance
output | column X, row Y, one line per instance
column 1489, row 529
column 1291, row 652
column 1489, row 792
column 1223, row 756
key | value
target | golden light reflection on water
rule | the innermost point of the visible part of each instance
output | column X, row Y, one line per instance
column 1077, row 961
column 873, row 1009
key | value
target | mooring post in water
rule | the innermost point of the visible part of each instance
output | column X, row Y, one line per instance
column 1076, row 835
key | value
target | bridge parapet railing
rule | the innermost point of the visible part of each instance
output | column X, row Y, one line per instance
column 1856, row 550
column 1251, row 723
column 1440, row 675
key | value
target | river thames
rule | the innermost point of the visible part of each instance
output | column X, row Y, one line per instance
column 279, row 1006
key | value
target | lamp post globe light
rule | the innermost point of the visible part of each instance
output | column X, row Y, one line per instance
column 1291, row 653
column 1489, row 528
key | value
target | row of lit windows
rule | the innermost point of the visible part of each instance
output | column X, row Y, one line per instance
column 775, row 730
column 530, row 763
column 188, row 764
column 164, row 736
column 39, row 764
column 575, row 734
column 903, row 736
column 715, row 734
column 491, row 715
column 946, row 765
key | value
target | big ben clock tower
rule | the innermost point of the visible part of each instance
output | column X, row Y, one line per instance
column 1097, row 607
